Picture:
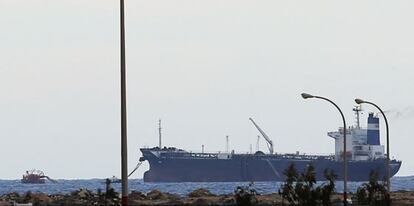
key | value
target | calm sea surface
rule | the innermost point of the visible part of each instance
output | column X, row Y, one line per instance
column 67, row 186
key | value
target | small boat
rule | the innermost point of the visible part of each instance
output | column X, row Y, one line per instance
column 114, row 180
column 35, row 177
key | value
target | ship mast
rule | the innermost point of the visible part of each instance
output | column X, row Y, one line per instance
column 357, row 110
column 159, row 133
column 227, row 144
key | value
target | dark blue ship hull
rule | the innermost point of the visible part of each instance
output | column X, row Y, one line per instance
column 199, row 167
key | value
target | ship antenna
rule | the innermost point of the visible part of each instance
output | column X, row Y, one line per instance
column 159, row 133
column 257, row 143
column 357, row 110
column 227, row 144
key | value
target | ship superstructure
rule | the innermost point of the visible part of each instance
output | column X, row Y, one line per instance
column 362, row 143
column 169, row 164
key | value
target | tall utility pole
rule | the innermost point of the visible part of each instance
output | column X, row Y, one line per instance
column 124, row 153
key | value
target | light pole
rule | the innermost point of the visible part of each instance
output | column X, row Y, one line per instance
column 124, row 153
column 360, row 101
column 307, row 96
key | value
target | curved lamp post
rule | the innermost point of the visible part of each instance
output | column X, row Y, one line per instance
column 360, row 101
column 307, row 96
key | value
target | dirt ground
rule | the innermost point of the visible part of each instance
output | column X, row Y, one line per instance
column 198, row 197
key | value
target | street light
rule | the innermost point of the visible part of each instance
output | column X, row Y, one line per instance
column 360, row 101
column 124, row 153
column 308, row 96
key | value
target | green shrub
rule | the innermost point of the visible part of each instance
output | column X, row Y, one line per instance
column 372, row 193
column 299, row 189
column 245, row 196
column 287, row 190
column 327, row 189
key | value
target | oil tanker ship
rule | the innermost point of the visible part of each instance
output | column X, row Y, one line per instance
column 365, row 154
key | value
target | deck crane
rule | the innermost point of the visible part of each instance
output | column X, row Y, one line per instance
column 268, row 140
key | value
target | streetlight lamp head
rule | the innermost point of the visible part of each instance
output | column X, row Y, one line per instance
column 359, row 101
column 306, row 96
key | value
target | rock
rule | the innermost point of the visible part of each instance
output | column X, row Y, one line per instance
column 201, row 201
column 12, row 196
column 136, row 195
column 201, row 193
column 155, row 195
column 158, row 195
column 174, row 202
column 40, row 198
column 82, row 193
column 229, row 200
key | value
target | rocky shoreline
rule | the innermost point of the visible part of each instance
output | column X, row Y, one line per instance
column 155, row 197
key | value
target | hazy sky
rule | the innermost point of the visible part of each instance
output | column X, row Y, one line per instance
column 204, row 68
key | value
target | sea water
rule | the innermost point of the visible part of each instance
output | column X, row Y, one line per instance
column 68, row 186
